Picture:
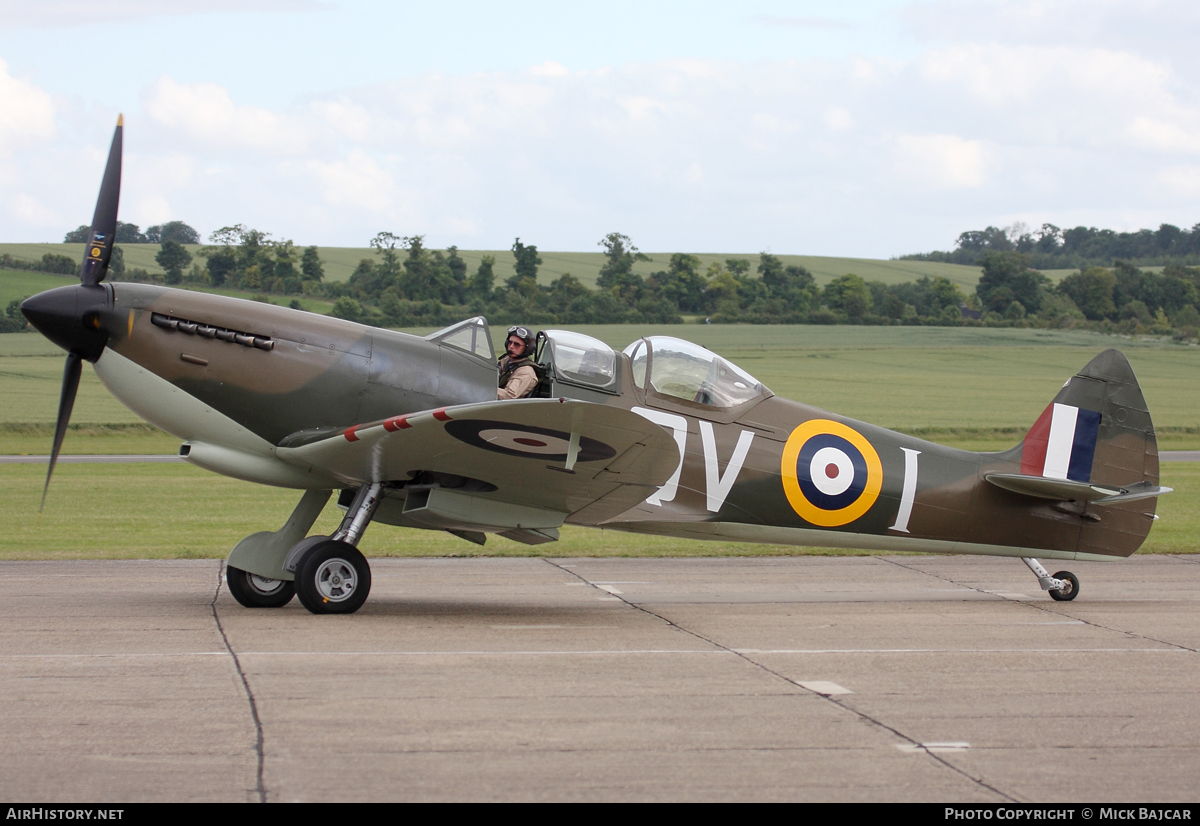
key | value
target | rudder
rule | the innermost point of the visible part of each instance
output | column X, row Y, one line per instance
column 1098, row 431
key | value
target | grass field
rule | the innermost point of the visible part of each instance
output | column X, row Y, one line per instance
column 339, row 263
column 16, row 285
column 178, row 511
column 975, row 388
column 972, row 387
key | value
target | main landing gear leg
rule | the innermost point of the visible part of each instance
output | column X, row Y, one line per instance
column 1063, row 586
column 332, row 577
column 254, row 571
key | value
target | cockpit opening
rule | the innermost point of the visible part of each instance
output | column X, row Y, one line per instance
column 687, row 371
column 579, row 359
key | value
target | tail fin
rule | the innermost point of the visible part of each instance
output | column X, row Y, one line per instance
column 1098, row 432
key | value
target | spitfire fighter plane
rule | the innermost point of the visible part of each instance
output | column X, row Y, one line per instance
column 665, row 437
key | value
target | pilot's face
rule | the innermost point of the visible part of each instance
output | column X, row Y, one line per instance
column 515, row 347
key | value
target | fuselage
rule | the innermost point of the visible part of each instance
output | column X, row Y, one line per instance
column 247, row 378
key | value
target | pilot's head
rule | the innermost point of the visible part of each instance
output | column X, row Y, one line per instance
column 519, row 343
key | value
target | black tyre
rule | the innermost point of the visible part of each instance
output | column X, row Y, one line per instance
column 1070, row 590
column 333, row 578
column 254, row 591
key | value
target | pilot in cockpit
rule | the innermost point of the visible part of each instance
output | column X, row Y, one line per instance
column 517, row 375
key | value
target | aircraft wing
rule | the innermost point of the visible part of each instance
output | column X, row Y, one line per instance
column 485, row 465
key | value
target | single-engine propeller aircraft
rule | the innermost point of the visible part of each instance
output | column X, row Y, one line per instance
column 663, row 438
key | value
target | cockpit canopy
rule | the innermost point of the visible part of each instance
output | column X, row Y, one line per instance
column 690, row 372
column 581, row 359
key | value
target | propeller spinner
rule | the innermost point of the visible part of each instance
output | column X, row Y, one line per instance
column 72, row 317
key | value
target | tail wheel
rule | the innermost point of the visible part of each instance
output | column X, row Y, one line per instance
column 1070, row 590
column 254, row 591
column 333, row 578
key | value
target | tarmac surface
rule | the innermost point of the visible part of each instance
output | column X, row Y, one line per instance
column 901, row 678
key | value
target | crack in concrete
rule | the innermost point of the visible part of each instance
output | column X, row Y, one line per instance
column 1050, row 609
column 837, row 702
column 260, row 788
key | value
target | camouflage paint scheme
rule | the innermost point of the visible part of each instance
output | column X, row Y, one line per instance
column 665, row 438
column 321, row 397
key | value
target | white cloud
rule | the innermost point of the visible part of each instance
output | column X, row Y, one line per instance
column 151, row 209
column 28, row 113
column 838, row 119
column 32, row 212
column 813, row 155
column 206, row 113
column 641, row 107
column 551, row 68
column 941, row 161
column 345, row 117
column 75, row 13
column 358, row 181
column 1164, row 135
column 1003, row 75
column 168, row 171
column 1181, row 181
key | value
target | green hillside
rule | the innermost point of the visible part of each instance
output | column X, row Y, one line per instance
column 340, row 262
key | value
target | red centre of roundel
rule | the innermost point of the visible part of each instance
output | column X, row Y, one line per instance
column 831, row 470
column 521, row 440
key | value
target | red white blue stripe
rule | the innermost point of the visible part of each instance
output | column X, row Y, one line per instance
column 1062, row 443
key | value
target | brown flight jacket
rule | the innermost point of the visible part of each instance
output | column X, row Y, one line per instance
column 516, row 382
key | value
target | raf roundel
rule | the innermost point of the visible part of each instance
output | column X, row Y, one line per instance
column 526, row 441
column 831, row 474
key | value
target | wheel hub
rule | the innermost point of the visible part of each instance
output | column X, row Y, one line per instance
column 336, row 580
column 264, row 585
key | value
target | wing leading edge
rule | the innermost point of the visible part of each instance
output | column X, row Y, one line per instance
column 527, row 464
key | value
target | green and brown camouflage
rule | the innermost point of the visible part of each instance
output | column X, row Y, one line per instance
column 664, row 438
column 294, row 379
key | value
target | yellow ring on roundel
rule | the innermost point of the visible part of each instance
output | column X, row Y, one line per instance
column 791, row 485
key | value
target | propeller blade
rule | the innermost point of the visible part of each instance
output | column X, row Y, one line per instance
column 66, row 402
column 104, row 222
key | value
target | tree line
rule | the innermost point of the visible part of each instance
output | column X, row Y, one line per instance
column 407, row 284
column 176, row 231
column 1052, row 248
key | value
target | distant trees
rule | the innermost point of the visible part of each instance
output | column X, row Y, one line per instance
column 245, row 258
column 173, row 258
column 525, row 268
column 479, row 288
column 176, row 231
column 405, row 283
column 1007, row 278
column 1076, row 248
column 311, row 268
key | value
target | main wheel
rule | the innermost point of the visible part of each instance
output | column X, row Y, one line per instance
column 1069, row 591
column 254, row 591
column 333, row 578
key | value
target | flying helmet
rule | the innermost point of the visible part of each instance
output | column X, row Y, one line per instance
column 523, row 333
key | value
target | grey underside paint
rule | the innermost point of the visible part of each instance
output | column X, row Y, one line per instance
column 810, row 537
column 263, row 553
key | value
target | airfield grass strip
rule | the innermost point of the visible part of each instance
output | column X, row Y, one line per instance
column 98, row 438
column 81, row 429
column 167, row 511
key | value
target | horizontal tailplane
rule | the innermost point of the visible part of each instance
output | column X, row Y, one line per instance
column 1094, row 444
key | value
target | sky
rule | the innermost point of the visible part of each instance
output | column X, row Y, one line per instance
column 868, row 129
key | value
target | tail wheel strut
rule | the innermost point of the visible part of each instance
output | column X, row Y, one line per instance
column 1063, row 586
